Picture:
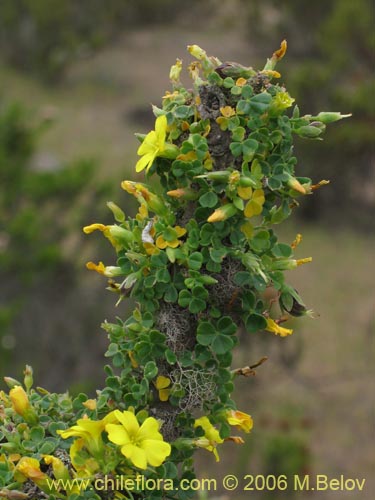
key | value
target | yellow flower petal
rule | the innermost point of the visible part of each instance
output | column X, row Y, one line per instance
column 162, row 382
column 93, row 227
column 244, row 192
column 156, row 451
column 240, row 82
column 240, row 420
column 273, row 327
column 227, row 111
column 117, row 434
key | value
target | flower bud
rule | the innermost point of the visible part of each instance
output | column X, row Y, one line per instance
column 331, row 116
column 183, row 194
column 174, row 74
column 21, row 405
column 20, row 400
column 121, row 235
column 308, row 131
column 11, row 382
column 293, row 183
column 28, row 380
column 116, row 210
column 218, row 175
column 222, row 213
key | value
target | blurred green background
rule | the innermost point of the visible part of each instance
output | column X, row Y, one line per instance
column 77, row 80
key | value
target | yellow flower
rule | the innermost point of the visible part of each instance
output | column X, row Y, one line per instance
column 173, row 243
column 93, row 227
column 109, row 271
column 162, row 384
column 90, row 431
column 240, row 420
column 145, row 197
column 244, row 192
column 227, row 111
column 21, row 404
column 280, row 53
column 240, row 82
column 174, row 74
column 29, row 468
column 58, row 467
column 273, row 327
column 255, row 205
column 90, row 404
column 281, row 101
column 211, row 436
column 20, row 400
column 117, row 235
column 141, row 444
column 154, row 145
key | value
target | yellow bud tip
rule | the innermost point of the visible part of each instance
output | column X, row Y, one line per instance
column 217, row 216
column 297, row 186
column 90, row 404
column 280, row 53
column 306, row 260
column 297, row 241
column 93, row 227
column 321, row 183
column 176, row 193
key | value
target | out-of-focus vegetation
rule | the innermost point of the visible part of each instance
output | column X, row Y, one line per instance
column 332, row 47
column 45, row 36
column 41, row 213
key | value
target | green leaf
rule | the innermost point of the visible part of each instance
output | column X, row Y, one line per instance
column 49, row 445
column 238, row 203
column 247, row 91
column 208, row 199
column 184, row 298
column 228, row 82
column 282, row 250
column 249, row 148
column 195, row 261
column 236, row 148
column 37, row 434
column 150, row 370
column 222, row 344
column 243, row 107
column 183, row 112
column 200, row 292
column 206, row 234
column 236, row 90
column 163, row 276
column 206, row 328
column 260, row 102
column 171, row 294
column 170, row 357
column 197, row 305
column 159, row 260
column 156, row 337
column 226, row 326
column 238, row 134
column 243, row 278
column 255, row 322
column 218, row 254
column 170, row 234
column 206, row 337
